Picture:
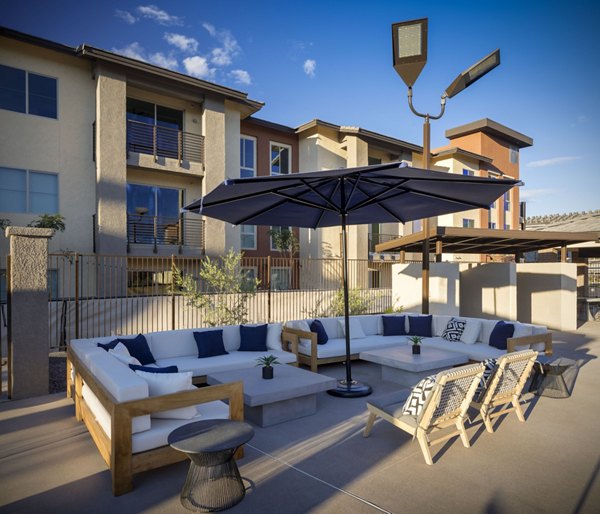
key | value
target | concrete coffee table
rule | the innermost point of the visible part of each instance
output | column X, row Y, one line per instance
column 290, row 394
column 401, row 366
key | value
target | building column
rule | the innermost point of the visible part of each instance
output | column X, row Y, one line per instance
column 28, row 312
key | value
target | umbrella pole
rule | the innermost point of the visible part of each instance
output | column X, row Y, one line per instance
column 348, row 388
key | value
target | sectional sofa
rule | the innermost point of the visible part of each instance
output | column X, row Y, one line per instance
column 124, row 410
column 367, row 333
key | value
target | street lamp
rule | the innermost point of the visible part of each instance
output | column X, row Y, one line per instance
column 409, row 40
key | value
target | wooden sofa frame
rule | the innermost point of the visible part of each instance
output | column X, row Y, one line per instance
column 117, row 450
column 290, row 338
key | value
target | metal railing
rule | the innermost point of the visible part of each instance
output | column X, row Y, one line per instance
column 593, row 278
column 164, row 142
column 375, row 239
column 160, row 230
column 97, row 295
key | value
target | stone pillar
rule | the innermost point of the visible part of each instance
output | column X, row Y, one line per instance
column 28, row 311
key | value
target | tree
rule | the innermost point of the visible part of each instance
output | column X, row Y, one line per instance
column 285, row 241
column 55, row 221
column 222, row 289
column 357, row 304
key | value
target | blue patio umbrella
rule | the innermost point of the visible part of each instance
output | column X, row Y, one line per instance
column 383, row 193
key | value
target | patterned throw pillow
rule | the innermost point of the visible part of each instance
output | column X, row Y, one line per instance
column 454, row 329
column 490, row 368
column 418, row 396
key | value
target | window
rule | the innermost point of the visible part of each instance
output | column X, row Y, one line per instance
column 280, row 278
column 468, row 223
column 491, row 224
column 280, row 159
column 26, row 92
column 469, row 173
column 248, row 237
column 247, row 156
column 374, row 278
column 507, row 201
column 417, row 226
column 28, row 191
column 506, row 226
column 142, row 118
column 275, row 230
column 513, row 152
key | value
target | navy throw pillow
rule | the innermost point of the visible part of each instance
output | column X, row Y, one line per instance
column 150, row 369
column 393, row 325
column 138, row 348
column 502, row 331
column 210, row 343
column 317, row 326
column 109, row 346
column 253, row 339
column 420, row 325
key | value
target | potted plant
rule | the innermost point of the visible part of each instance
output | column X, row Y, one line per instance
column 416, row 341
column 267, row 361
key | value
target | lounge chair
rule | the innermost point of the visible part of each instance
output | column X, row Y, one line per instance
column 504, row 386
column 450, row 394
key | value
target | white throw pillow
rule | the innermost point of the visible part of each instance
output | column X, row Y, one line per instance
column 300, row 325
column 125, row 359
column 167, row 383
column 471, row 332
column 356, row 330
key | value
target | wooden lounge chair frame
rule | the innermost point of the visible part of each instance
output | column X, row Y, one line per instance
column 445, row 407
column 505, row 387
column 117, row 450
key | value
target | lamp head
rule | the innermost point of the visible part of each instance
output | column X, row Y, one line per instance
column 474, row 73
column 409, row 41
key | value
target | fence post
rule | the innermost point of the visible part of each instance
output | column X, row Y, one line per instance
column 28, row 297
column 76, row 296
column 172, row 292
column 269, row 287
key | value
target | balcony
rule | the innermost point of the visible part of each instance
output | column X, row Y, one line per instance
column 159, row 231
column 164, row 144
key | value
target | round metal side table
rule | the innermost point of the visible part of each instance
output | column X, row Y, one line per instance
column 213, row 481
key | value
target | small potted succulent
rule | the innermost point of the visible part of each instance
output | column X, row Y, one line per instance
column 267, row 361
column 416, row 341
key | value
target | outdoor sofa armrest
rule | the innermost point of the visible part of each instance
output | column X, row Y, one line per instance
column 289, row 341
column 546, row 338
column 301, row 334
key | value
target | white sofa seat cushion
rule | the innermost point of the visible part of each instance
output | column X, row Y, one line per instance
column 476, row 351
column 337, row 347
column 234, row 360
column 161, row 428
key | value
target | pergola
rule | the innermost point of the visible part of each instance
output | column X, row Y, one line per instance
column 441, row 240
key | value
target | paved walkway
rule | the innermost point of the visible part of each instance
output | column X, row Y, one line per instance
column 322, row 464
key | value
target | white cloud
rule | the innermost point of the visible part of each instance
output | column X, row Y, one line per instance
column 228, row 46
column 158, row 15
column 198, row 66
column 530, row 195
column 133, row 50
column 184, row 43
column 165, row 61
column 241, row 77
column 126, row 16
column 551, row 162
column 310, row 65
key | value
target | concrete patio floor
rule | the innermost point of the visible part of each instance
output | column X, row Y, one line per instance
column 322, row 464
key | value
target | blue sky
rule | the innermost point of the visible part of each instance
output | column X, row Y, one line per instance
column 332, row 60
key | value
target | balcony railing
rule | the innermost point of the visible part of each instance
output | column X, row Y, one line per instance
column 375, row 239
column 159, row 230
column 164, row 142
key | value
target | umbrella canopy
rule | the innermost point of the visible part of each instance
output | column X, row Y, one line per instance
column 384, row 193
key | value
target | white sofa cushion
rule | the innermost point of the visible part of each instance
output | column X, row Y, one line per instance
column 371, row 324
column 439, row 324
column 472, row 332
column 160, row 384
column 300, row 324
column 337, row 347
column 332, row 327
column 172, row 343
column 476, row 351
column 356, row 329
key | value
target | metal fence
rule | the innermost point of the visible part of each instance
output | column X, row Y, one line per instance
column 593, row 282
column 95, row 295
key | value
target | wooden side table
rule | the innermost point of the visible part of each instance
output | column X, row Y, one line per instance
column 213, row 481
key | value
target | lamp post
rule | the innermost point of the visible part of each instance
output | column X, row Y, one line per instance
column 409, row 47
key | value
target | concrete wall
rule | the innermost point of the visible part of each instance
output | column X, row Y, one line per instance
column 62, row 146
column 444, row 289
column 489, row 291
column 547, row 294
